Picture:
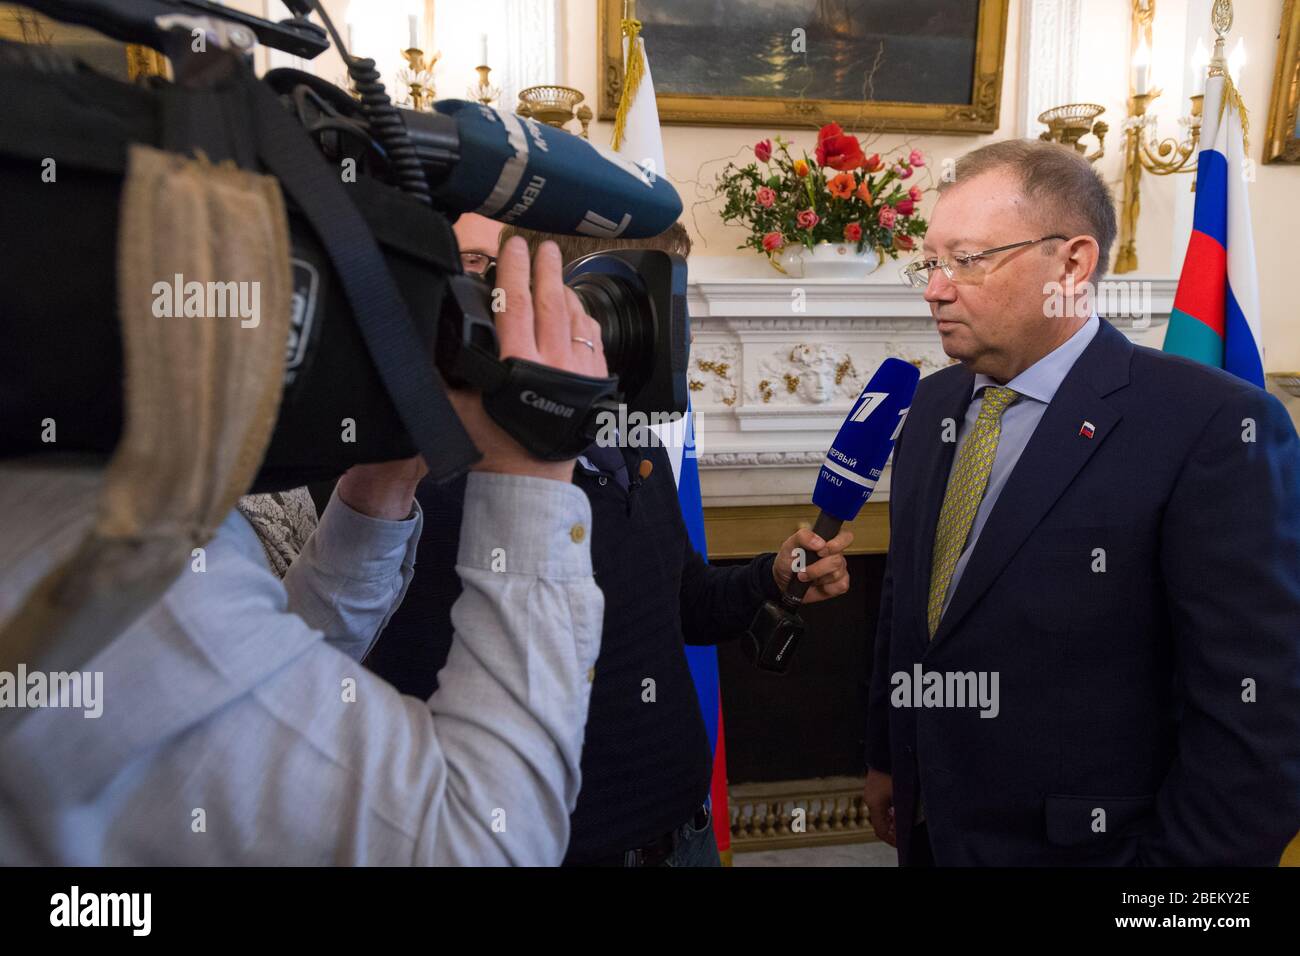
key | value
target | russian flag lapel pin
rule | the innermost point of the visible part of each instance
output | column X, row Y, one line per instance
column 1087, row 429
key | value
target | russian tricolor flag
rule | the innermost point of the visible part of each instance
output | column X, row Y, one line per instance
column 1215, row 318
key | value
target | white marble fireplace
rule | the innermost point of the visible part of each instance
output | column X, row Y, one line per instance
column 776, row 364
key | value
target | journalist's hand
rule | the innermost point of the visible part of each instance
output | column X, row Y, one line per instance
column 829, row 574
column 541, row 326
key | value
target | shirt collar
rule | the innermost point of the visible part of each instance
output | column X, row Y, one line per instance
column 1041, row 380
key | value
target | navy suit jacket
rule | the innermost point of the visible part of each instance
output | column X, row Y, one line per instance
column 1149, row 713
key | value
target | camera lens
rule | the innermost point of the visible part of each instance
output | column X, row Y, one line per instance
column 622, row 310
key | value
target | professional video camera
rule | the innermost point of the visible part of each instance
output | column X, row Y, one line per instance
column 380, row 299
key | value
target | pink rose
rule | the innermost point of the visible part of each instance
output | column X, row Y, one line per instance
column 773, row 241
column 887, row 217
column 765, row 197
column 901, row 171
column 915, row 193
column 906, row 207
column 807, row 219
column 763, row 150
column 916, row 159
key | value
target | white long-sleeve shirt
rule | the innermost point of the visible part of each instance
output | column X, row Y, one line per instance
column 239, row 727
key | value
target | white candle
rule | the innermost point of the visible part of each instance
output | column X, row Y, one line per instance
column 1236, row 60
column 482, row 49
column 413, row 21
column 1200, row 66
column 1141, row 68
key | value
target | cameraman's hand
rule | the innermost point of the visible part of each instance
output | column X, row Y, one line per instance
column 541, row 326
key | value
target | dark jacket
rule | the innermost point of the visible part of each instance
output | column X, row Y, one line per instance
column 646, row 766
column 1150, row 712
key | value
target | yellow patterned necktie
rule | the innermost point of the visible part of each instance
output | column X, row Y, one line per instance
column 962, row 499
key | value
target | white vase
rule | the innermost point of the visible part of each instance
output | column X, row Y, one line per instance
column 827, row 260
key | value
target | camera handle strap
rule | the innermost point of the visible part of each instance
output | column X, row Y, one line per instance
column 381, row 313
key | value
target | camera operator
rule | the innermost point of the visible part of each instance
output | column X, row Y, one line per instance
column 645, row 760
column 237, row 726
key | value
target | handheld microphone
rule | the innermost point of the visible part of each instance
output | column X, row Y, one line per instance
column 517, row 170
column 848, row 475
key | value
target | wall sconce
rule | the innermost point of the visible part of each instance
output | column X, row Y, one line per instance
column 1142, row 152
column 1069, row 123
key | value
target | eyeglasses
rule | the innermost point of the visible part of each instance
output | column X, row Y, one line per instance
column 477, row 263
column 965, row 269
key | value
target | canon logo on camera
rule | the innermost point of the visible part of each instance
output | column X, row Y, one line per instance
column 529, row 397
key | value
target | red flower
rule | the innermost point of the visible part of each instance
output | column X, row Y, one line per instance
column 853, row 232
column 887, row 216
column 864, row 192
column 763, row 150
column 906, row 207
column 916, row 159
column 773, row 241
column 841, row 186
column 915, row 193
column 873, row 163
column 765, row 197
column 904, row 242
column 836, row 150
column 807, row 219
column 902, row 170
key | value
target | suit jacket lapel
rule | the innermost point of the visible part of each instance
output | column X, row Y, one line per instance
column 932, row 468
column 1055, row 454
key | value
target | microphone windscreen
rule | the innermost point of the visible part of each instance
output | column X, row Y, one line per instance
column 519, row 171
column 857, row 457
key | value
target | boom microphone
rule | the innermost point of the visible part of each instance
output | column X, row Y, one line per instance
column 519, row 171
column 849, row 474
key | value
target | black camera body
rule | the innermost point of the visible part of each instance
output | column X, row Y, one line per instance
column 369, row 357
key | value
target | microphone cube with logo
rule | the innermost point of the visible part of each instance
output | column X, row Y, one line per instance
column 848, row 475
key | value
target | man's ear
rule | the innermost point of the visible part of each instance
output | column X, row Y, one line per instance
column 1082, row 253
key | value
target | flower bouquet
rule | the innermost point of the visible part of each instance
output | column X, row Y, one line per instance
column 839, row 196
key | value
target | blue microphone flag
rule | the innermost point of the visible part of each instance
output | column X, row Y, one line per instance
column 857, row 457
column 519, row 171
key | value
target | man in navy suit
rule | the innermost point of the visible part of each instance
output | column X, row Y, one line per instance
column 1089, row 640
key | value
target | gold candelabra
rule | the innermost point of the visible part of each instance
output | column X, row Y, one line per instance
column 1142, row 151
column 483, row 91
column 418, row 79
column 555, row 106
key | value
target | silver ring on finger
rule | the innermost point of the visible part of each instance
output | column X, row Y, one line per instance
column 587, row 342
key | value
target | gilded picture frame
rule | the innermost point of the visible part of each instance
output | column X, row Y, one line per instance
column 1282, row 134
column 120, row 60
column 979, row 114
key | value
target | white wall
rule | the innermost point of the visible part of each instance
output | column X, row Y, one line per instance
column 695, row 155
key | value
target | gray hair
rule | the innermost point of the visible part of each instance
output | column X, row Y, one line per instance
column 1065, row 189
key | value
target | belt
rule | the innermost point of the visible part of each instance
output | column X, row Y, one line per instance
column 658, row 850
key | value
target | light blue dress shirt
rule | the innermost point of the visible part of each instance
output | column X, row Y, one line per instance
column 1036, row 386
column 242, row 696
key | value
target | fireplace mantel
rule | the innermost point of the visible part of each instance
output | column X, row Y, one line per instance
column 777, row 362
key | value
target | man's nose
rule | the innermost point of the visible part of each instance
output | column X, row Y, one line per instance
column 940, row 288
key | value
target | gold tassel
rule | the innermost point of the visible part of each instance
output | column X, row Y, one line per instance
column 1232, row 95
column 634, row 71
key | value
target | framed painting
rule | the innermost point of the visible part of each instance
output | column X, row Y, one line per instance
column 119, row 60
column 1282, row 135
column 899, row 65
